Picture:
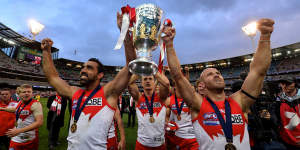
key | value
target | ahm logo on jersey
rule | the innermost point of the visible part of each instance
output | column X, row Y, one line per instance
column 95, row 102
column 74, row 104
column 173, row 107
column 211, row 119
column 155, row 105
column 143, row 106
column 24, row 112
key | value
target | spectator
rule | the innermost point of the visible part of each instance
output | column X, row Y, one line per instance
column 55, row 119
column 289, row 112
column 131, row 113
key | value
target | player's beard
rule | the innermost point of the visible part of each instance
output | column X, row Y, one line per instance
column 87, row 81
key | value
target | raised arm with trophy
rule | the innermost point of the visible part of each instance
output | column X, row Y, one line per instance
column 145, row 24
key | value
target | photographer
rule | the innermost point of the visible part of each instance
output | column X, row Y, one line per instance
column 263, row 124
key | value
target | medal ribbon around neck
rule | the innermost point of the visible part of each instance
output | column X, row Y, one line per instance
column 150, row 106
column 18, row 113
column 78, row 110
column 179, row 109
column 226, row 126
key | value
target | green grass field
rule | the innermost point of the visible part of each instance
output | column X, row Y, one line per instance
column 131, row 133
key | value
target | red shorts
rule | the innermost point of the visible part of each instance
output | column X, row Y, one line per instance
column 139, row 146
column 31, row 145
column 112, row 143
column 174, row 142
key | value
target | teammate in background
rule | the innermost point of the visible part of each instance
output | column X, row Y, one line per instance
column 112, row 140
column 180, row 132
column 200, row 87
column 16, row 96
column 29, row 117
column 208, row 113
column 151, row 111
column 93, row 106
column 7, row 119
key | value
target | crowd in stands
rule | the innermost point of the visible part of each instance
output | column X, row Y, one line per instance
column 7, row 62
column 276, row 71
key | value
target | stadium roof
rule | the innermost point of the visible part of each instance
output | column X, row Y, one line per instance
column 277, row 54
column 11, row 37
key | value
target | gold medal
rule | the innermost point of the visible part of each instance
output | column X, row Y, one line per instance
column 230, row 146
column 73, row 127
column 178, row 117
column 16, row 123
column 152, row 120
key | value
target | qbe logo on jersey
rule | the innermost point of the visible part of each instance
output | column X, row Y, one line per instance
column 237, row 119
column 95, row 102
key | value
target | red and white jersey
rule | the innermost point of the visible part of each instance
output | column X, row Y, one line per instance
column 12, row 104
column 185, row 126
column 93, row 123
column 26, row 118
column 7, row 119
column 209, row 132
column 290, row 120
column 112, row 132
column 151, row 134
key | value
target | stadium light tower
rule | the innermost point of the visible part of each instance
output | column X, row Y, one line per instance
column 35, row 27
column 250, row 30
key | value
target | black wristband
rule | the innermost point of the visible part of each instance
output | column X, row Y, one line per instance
column 247, row 94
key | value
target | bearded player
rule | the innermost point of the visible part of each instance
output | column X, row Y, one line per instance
column 93, row 106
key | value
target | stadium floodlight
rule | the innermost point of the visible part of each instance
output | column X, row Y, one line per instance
column 35, row 27
column 250, row 30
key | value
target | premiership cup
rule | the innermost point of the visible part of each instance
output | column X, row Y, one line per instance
column 145, row 39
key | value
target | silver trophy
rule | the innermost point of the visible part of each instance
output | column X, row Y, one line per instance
column 145, row 39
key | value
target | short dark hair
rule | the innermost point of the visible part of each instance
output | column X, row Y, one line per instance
column 100, row 66
column 5, row 89
column 288, row 80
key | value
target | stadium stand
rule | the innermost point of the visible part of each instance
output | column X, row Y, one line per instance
column 13, row 70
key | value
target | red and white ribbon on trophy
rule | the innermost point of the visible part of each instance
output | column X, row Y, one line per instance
column 127, row 21
column 162, row 45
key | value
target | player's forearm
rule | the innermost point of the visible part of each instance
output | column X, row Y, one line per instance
column 32, row 126
column 48, row 66
column 262, row 57
column 120, row 82
column 133, row 79
column 122, row 133
column 187, row 75
column 129, row 49
column 183, row 85
column 173, row 62
column 133, row 91
column 12, row 110
column 168, row 113
column 163, row 80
